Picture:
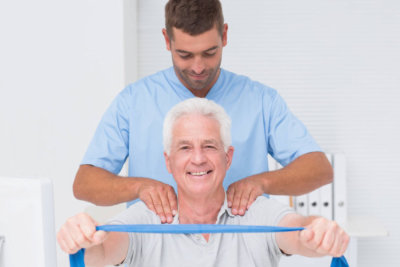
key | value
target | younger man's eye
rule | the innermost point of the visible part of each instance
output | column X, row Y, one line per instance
column 209, row 54
column 184, row 56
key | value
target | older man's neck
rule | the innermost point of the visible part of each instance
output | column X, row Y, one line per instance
column 200, row 209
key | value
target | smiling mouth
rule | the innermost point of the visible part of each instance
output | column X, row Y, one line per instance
column 198, row 76
column 199, row 173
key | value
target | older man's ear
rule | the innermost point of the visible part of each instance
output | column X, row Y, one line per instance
column 167, row 162
column 229, row 156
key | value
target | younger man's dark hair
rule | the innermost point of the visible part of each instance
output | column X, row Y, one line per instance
column 193, row 16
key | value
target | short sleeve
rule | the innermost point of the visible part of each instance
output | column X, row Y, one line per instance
column 288, row 138
column 137, row 213
column 109, row 146
column 267, row 211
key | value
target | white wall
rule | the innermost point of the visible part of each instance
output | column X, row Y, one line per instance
column 61, row 63
column 337, row 64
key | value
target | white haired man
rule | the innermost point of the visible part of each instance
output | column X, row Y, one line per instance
column 198, row 153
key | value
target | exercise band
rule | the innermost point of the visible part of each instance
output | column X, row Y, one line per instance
column 77, row 259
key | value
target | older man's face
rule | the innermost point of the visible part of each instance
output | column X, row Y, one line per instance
column 197, row 158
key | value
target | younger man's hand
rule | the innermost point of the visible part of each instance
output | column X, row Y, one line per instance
column 243, row 193
column 160, row 198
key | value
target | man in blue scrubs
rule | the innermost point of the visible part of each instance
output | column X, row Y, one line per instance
column 262, row 124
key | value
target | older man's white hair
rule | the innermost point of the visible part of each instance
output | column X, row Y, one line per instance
column 198, row 106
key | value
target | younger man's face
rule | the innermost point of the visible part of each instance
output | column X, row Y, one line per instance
column 197, row 59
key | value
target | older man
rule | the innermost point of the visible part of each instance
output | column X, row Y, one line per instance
column 198, row 153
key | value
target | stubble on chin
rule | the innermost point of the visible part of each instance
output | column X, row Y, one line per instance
column 198, row 84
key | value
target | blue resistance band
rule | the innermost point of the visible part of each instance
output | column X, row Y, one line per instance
column 77, row 259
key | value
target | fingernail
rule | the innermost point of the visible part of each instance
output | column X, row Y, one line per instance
column 163, row 219
column 241, row 211
column 234, row 211
column 169, row 219
column 174, row 212
column 229, row 204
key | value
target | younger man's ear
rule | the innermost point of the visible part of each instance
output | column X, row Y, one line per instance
column 225, row 35
column 166, row 38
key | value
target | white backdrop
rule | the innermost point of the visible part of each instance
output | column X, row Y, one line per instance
column 337, row 64
column 61, row 63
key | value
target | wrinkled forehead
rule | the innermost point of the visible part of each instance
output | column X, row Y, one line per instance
column 199, row 126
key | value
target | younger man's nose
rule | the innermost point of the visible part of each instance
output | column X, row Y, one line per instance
column 198, row 66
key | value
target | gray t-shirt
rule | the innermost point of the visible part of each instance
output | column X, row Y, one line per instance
column 227, row 249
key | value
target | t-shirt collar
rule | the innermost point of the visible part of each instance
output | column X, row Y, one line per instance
column 224, row 210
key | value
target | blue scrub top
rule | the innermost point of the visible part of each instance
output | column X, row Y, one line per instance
column 262, row 124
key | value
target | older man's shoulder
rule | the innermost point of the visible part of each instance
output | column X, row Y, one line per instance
column 264, row 205
column 140, row 208
column 137, row 213
column 265, row 201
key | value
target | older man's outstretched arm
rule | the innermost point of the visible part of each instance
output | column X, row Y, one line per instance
column 321, row 237
column 102, row 248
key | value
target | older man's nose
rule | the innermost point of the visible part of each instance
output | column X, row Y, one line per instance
column 198, row 156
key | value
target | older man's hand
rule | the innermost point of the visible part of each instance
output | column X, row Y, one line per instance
column 159, row 197
column 243, row 193
column 325, row 237
column 79, row 232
